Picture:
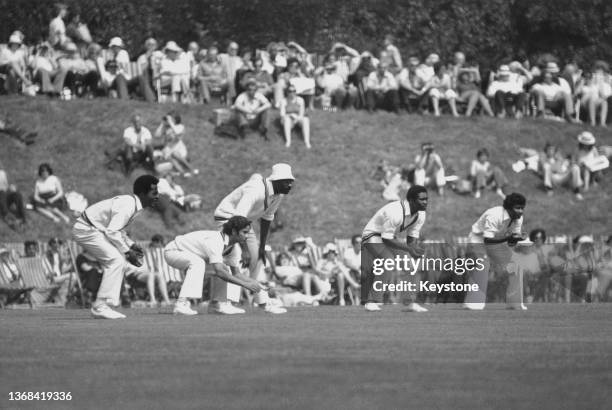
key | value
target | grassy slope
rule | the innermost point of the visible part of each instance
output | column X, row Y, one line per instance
column 550, row 357
column 333, row 196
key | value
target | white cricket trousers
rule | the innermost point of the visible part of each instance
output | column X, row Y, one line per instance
column 222, row 291
column 112, row 260
column 193, row 264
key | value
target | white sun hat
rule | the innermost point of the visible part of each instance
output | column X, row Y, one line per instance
column 281, row 171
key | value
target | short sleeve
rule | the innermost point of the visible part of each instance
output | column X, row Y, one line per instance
column 490, row 227
column 390, row 223
column 215, row 250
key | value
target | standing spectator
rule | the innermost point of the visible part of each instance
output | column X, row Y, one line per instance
column 554, row 93
column 252, row 110
column 507, row 90
column 484, row 175
column 212, row 77
column 174, row 72
column 429, row 169
column 440, row 88
column 231, row 62
column 138, row 148
column 412, row 88
column 469, row 91
column 292, row 113
column 382, row 90
column 395, row 58
column 57, row 27
column 49, row 199
column 12, row 210
column 13, row 65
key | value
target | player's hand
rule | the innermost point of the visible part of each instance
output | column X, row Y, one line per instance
column 253, row 286
column 134, row 257
column 137, row 249
column 514, row 239
column 246, row 258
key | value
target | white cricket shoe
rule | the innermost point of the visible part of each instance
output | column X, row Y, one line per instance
column 103, row 311
column 515, row 306
column 224, row 308
column 274, row 309
column 371, row 307
column 183, row 308
column 474, row 306
column 415, row 307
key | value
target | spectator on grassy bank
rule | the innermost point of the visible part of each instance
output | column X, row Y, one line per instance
column 47, row 73
column 8, row 127
column 507, row 91
column 149, row 62
column 393, row 53
column 212, row 77
column 171, row 201
column 468, row 90
column 81, row 75
column 136, row 149
column 49, row 199
column 553, row 93
column 429, row 169
column 174, row 72
column 333, row 86
column 13, row 65
column 382, row 90
column 231, row 63
column 252, row 110
column 556, row 169
column 590, row 161
column 412, row 88
column 484, row 175
column 293, row 114
column 595, row 93
column 441, row 88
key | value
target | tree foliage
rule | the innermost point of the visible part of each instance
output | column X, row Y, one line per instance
column 488, row 31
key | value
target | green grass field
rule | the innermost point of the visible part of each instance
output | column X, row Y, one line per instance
column 549, row 357
column 334, row 194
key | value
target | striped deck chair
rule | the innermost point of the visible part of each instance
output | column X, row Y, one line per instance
column 34, row 273
column 16, row 248
column 11, row 290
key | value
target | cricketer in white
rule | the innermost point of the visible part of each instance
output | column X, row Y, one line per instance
column 258, row 198
column 100, row 230
column 193, row 250
column 493, row 234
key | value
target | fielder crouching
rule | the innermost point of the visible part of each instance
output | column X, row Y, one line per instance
column 100, row 230
column 221, row 249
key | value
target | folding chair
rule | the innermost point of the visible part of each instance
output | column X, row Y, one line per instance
column 34, row 274
column 11, row 291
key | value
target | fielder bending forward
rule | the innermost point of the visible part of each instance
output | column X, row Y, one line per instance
column 192, row 251
column 100, row 230
column 493, row 234
column 258, row 198
column 387, row 223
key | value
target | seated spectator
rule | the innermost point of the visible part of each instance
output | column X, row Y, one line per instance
column 174, row 72
column 231, row 63
column 137, row 147
column 330, row 267
column 296, row 51
column 382, row 90
column 289, row 274
column 150, row 277
column 557, row 170
column 12, row 210
column 58, row 258
column 429, row 170
column 305, row 86
column 174, row 158
column 412, row 88
column 484, row 175
column 49, row 199
column 604, row 272
column 394, row 183
column 10, row 269
column 244, row 73
column 171, row 126
column 553, row 93
column 171, row 201
column 149, row 62
column 359, row 77
column 591, row 162
column 346, row 60
column 265, row 82
column 507, row 90
column 426, row 70
column 122, row 82
column 90, row 273
column 212, row 77
column 440, row 88
column 352, row 257
column 46, row 71
column 335, row 91
column 292, row 114
column 468, row 91
column 8, row 127
column 81, row 75
column 193, row 57
column 595, row 93
column 13, row 65
column 57, row 27
column 252, row 111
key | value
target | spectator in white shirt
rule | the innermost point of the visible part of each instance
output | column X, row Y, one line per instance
column 293, row 113
column 212, row 77
column 441, row 88
column 175, row 72
column 334, row 88
column 483, row 175
column 429, row 169
column 252, row 110
column 595, row 93
column 119, row 78
column 382, row 90
column 352, row 257
column 137, row 146
column 57, row 27
column 412, row 88
column 554, row 93
column 169, row 205
column 13, row 65
column 507, row 90
column 231, row 62
column 47, row 72
column 49, row 199
column 81, row 75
